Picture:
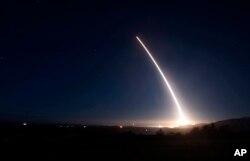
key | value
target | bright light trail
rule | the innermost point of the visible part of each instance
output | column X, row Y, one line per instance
column 183, row 120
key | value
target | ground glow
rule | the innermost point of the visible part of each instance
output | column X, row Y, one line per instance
column 183, row 120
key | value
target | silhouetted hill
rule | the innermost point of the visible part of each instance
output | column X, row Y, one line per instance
column 237, row 124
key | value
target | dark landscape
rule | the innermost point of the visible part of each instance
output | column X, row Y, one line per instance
column 66, row 142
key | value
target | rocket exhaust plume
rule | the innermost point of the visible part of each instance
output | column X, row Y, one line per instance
column 183, row 120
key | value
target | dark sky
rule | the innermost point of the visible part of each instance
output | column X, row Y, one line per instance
column 80, row 62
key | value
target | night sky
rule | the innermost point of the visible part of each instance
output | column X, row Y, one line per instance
column 81, row 63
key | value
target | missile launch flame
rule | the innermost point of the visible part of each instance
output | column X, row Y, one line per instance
column 183, row 120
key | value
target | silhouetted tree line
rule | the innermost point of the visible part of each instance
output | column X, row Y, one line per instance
column 211, row 131
column 207, row 131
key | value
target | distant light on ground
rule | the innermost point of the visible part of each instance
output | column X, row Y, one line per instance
column 84, row 126
column 24, row 124
column 172, row 126
column 121, row 126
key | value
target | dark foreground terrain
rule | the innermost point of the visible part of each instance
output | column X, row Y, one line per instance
column 51, row 142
